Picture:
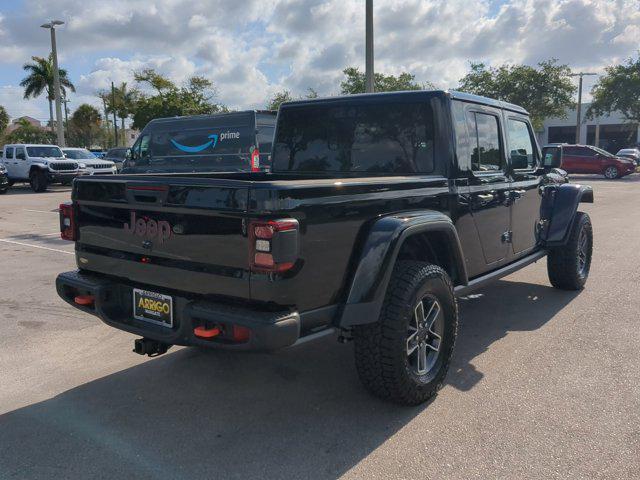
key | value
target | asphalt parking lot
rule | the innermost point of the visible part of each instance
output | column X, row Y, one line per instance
column 544, row 383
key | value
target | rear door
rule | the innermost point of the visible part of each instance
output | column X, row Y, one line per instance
column 571, row 160
column 177, row 233
column 265, row 130
column 489, row 185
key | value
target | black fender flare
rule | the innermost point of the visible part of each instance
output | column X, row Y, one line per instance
column 563, row 208
column 378, row 256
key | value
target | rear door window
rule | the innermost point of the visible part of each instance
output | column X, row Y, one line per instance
column 378, row 138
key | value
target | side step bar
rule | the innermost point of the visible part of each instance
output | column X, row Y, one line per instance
column 480, row 282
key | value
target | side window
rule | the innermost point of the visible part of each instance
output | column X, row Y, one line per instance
column 486, row 152
column 20, row 153
column 573, row 151
column 9, row 152
column 145, row 151
column 521, row 149
column 587, row 152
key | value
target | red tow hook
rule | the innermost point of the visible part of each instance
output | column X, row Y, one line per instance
column 85, row 300
column 204, row 332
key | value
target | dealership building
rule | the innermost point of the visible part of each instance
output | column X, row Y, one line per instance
column 610, row 132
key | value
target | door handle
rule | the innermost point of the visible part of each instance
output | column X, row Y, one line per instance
column 515, row 194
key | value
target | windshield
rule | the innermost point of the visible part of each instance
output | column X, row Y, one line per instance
column 372, row 137
column 79, row 154
column 45, row 152
column 603, row 152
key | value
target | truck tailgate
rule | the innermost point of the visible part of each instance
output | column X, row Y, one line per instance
column 177, row 233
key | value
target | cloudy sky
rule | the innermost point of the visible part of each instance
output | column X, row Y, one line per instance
column 252, row 48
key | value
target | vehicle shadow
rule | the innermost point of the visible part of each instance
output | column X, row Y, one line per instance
column 25, row 189
column 299, row 413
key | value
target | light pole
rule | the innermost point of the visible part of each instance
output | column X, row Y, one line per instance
column 369, row 83
column 56, row 79
column 66, row 113
column 579, row 109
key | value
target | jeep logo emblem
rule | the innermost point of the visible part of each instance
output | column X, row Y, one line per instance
column 148, row 228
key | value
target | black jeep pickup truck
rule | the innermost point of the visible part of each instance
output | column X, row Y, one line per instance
column 379, row 211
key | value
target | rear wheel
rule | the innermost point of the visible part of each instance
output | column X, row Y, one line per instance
column 404, row 357
column 38, row 181
column 611, row 172
column 568, row 266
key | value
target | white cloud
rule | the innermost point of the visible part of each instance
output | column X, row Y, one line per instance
column 252, row 48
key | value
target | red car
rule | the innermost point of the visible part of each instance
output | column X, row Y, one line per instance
column 589, row 159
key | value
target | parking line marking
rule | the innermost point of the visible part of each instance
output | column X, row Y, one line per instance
column 41, row 211
column 36, row 246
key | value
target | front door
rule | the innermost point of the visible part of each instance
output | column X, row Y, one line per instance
column 489, row 186
column 526, row 195
column 21, row 165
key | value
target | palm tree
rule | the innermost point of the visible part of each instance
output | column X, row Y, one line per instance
column 40, row 79
column 125, row 104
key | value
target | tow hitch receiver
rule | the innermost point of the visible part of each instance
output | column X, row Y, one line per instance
column 146, row 346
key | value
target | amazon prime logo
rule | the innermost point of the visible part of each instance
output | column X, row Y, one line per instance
column 213, row 141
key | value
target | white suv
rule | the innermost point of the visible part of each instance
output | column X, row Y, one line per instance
column 39, row 165
column 89, row 163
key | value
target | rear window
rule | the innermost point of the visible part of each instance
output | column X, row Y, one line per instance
column 379, row 138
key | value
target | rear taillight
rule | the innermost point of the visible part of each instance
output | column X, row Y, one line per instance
column 255, row 160
column 274, row 245
column 68, row 222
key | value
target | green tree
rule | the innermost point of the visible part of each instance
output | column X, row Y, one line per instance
column 4, row 120
column 545, row 90
column 618, row 90
column 279, row 98
column 28, row 133
column 39, row 80
column 122, row 101
column 355, row 82
column 195, row 97
column 84, row 126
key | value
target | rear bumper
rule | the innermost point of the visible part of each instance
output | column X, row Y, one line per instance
column 113, row 305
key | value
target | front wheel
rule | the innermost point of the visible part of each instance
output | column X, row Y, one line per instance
column 38, row 181
column 405, row 355
column 568, row 266
column 611, row 172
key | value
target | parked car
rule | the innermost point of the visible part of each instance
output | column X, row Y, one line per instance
column 380, row 209
column 4, row 180
column 89, row 163
column 590, row 159
column 98, row 152
column 117, row 156
column 39, row 165
column 632, row 153
column 228, row 142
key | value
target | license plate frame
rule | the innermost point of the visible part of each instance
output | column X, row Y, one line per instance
column 154, row 309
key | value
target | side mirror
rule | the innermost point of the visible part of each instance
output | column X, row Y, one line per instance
column 519, row 161
column 551, row 157
column 128, row 155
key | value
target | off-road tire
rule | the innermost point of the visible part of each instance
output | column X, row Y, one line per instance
column 566, row 271
column 609, row 172
column 2, row 192
column 381, row 347
column 38, row 181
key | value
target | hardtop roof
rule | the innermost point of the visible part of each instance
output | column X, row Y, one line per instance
column 452, row 94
